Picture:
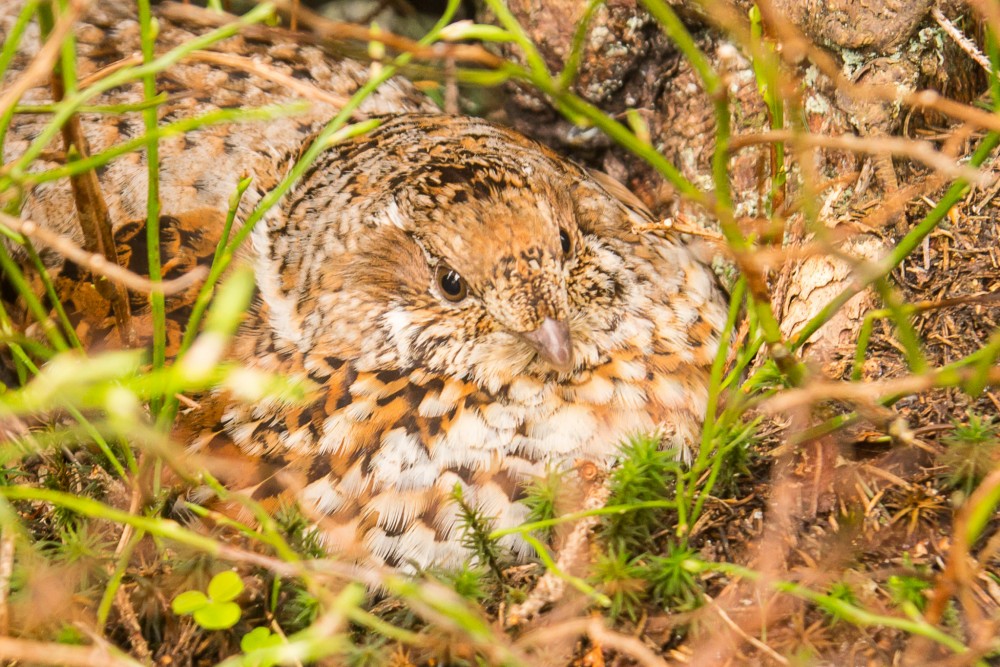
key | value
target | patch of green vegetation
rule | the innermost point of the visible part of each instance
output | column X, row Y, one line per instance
column 972, row 451
column 215, row 608
column 644, row 474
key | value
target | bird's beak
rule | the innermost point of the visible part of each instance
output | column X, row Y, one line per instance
column 552, row 342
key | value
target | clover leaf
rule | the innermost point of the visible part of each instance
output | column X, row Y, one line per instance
column 215, row 611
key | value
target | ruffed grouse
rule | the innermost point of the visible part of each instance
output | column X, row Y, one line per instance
column 470, row 306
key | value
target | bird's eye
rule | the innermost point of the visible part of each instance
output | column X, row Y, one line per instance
column 452, row 285
column 567, row 244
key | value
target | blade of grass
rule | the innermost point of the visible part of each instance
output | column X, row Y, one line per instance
column 50, row 290
column 108, row 109
column 157, row 301
column 88, row 507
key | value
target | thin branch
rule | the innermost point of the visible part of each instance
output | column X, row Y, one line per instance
column 6, row 571
column 868, row 392
column 595, row 629
column 43, row 63
column 97, row 263
column 304, row 89
column 129, row 618
column 920, row 151
column 104, row 72
column 963, row 42
column 95, row 219
column 735, row 627
column 552, row 585
column 624, row 644
column 50, row 653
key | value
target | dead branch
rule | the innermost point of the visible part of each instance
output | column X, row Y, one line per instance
column 920, row 151
column 233, row 61
column 630, row 646
column 598, row 633
column 42, row 64
column 93, row 78
column 6, row 570
column 98, row 263
column 735, row 627
column 92, row 212
column 51, row 653
column 130, row 619
column 307, row 91
column 551, row 587
column 957, row 576
column 963, row 42
column 869, row 392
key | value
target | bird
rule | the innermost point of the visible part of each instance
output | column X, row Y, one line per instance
column 466, row 307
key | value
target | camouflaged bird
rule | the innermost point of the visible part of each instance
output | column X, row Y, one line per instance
column 469, row 306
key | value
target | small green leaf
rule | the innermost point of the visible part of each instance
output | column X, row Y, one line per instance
column 188, row 602
column 225, row 586
column 259, row 638
column 218, row 615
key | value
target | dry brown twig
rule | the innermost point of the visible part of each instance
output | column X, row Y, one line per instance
column 140, row 647
column 963, row 42
column 97, row 263
column 42, row 64
column 51, row 653
column 95, row 223
column 94, row 77
column 783, row 516
column 339, row 31
column 598, row 633
column 758, row 644
column 920, row 151
column 629, row 646
column 867, row 392
column 92, row 211
column 956, row 574
column 307, row 91
column 6, row 571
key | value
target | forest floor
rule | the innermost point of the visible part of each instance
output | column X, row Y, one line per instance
column 843, row 508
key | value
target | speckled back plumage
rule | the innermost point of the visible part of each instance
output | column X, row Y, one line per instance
column 199, row 169
column 418, row 391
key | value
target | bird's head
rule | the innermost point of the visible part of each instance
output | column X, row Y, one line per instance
column 499, row 243
column 454, row 246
